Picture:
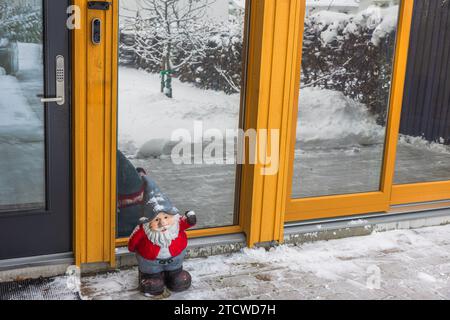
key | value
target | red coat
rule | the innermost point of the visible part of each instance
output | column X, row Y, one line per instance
column 140, row 243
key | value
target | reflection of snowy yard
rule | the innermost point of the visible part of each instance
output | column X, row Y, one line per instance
column 148, row 117
column 21, row 133
column 207, row 189
column 350, row 162
column 357, row 170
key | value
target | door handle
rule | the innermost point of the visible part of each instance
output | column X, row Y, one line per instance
column 60, row 98
column 55, row 99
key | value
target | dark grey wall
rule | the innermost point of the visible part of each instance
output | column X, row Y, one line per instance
column 426, row 104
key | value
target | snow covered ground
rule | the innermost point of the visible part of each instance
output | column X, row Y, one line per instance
column 348, row 162
column 145, row 114
column 403, row 264
column 22, row 132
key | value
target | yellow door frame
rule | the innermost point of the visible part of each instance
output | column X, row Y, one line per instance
column 94, row 131
column 271, row 52
column 420, row 192
column 272, row 96
column 352, row 204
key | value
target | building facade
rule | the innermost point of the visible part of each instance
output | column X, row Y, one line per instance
column 263, row 116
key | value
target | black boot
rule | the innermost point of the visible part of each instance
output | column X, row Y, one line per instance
column 178, row 280
column 151, row 284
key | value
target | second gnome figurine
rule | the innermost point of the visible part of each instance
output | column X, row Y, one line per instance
column 160, row 243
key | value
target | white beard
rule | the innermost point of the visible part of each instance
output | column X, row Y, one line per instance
column 163, row 239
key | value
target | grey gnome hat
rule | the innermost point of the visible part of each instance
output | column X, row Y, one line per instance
column 156, row 201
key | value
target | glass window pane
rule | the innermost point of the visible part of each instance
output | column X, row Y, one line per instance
column 423, row 153
column 180, row 73
column 348, row 50
column 22, row 162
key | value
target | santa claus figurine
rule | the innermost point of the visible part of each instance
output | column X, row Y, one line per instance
column 160, row 243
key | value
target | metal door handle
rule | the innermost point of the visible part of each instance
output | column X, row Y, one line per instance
column 60, row 84
column 56, row 99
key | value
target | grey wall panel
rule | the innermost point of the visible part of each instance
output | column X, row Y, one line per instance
column 426, row 103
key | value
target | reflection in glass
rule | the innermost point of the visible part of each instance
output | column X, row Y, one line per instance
column 22, row 174
column 180, row 67
column 348, row 50
column 423, row 152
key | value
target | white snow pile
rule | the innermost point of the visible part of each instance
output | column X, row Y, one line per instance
column 327, row 115
column 333, row 25
column 147, row 118
column 422, row 144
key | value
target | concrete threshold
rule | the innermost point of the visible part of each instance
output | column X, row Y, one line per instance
column 35, row 267
column 401, row 217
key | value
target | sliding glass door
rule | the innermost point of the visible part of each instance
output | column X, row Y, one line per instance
column 350, row 89
column 423, row 153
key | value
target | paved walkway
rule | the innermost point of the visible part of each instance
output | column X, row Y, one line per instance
column 404, row 264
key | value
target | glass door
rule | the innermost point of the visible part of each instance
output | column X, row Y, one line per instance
column 351, row 74
column 423, row 152
column 180, row 75
column 34, row 129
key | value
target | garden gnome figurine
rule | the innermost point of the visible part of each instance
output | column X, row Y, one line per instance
column 160, row 243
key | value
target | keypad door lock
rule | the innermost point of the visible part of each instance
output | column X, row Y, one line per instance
column 60, row 98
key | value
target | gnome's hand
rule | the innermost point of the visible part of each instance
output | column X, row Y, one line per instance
column 191, row 218
column 143, row 220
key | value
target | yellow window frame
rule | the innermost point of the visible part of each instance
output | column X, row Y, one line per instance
column 352, row 204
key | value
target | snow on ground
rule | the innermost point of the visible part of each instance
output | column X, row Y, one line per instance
column 18, row 121
column 325, row 116
column 22, row 131
column 146, row 114
column 328, row 115
column 411, row 264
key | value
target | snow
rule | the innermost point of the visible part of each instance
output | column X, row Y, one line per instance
column 334, row 21
column 30, row 56
column 389, row 18
column 332, row 3
column 323, row 114
column 146, row 114
column 22, row 131
column 18, row 120
column 218, row 10
column 329, row 115
column 421, row 144
column 426, row 277
column 240, row 3
column 408, row 261
column 382, row 20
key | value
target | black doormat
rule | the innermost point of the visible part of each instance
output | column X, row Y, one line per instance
column 37, row 289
